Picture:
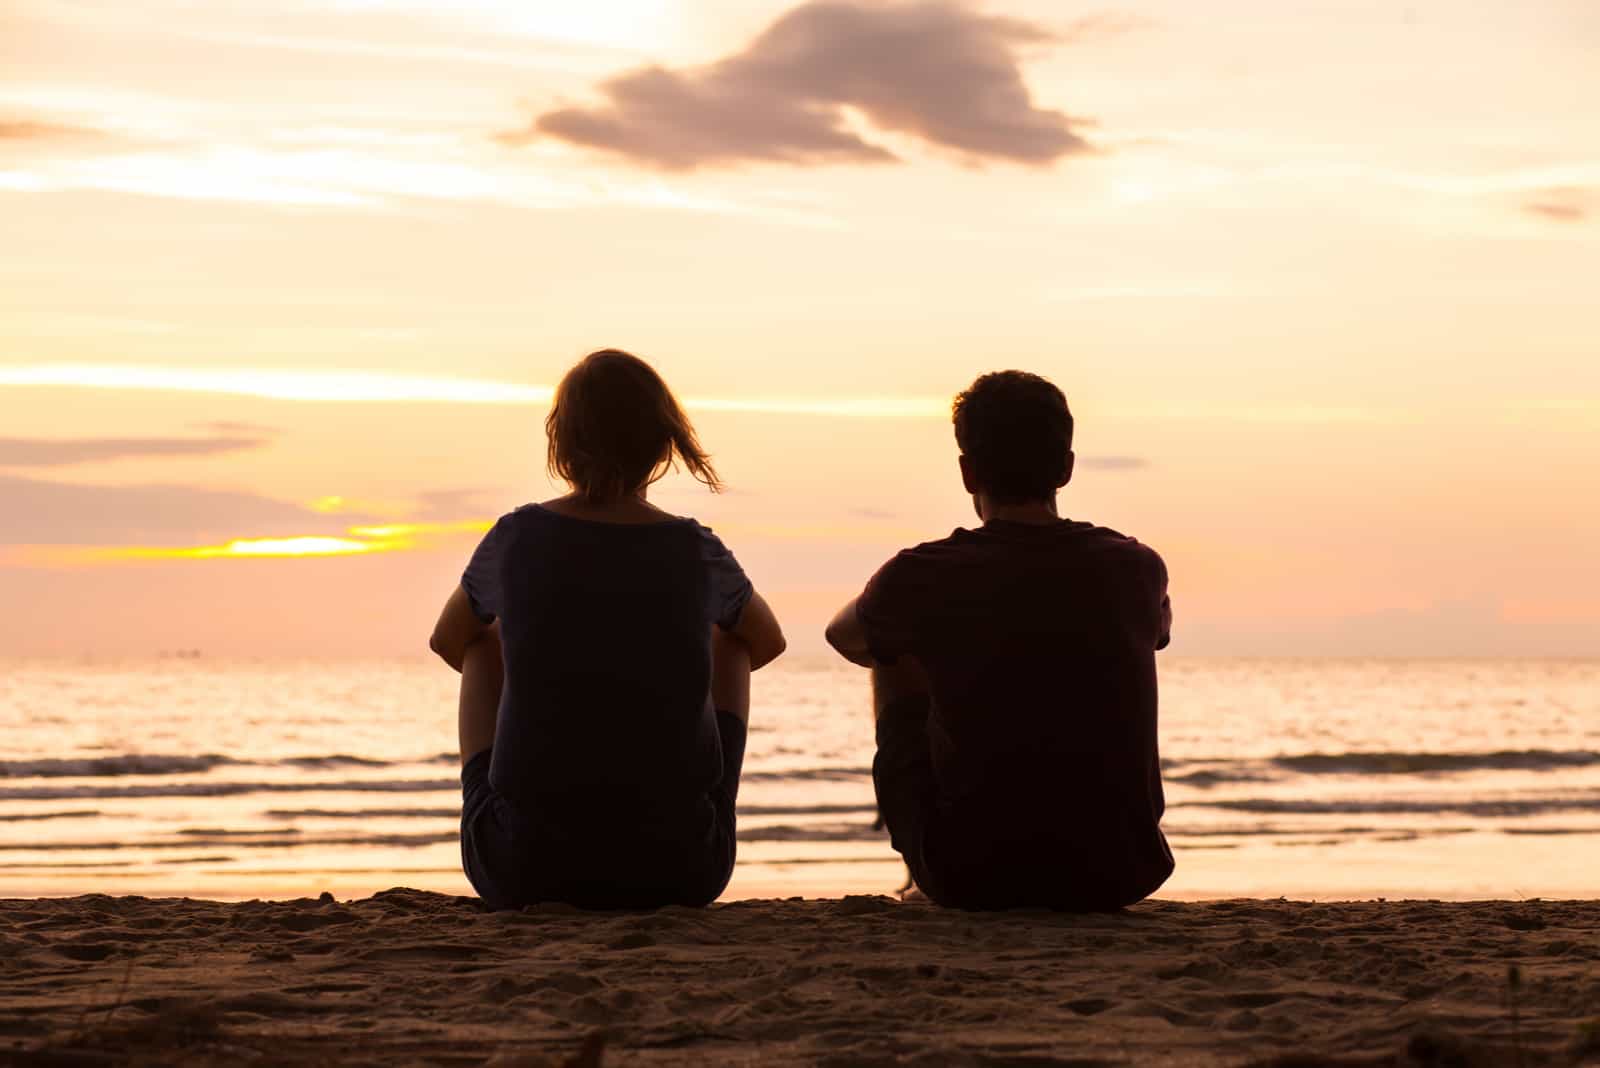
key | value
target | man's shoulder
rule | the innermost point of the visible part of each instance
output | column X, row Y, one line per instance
column 1115, row 538
column 1126, row 547
column 958, row 543
column 965, row 547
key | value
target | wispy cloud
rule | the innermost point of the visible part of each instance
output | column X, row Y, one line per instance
column 1138, row 291
column 37, row 512
column 356, row 386
column 1098, row 25
column 1114, row 463
column 57, row 452
column 30, row 130
column 384, row 387
column 1559, row 205
column 367, row 173
column 932, row 70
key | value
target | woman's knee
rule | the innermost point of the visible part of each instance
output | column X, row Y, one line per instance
column 730, row 674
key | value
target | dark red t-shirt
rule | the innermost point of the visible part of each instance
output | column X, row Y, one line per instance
column 1039, row 645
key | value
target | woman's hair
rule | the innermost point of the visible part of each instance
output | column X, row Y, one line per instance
column 614, row 427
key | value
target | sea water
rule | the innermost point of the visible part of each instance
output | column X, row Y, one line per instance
column 1303, row 778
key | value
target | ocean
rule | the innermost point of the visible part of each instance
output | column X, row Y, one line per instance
column 189, row 776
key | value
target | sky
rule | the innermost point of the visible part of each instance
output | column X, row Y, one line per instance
column 284, row 288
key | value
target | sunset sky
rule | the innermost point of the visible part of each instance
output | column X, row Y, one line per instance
column 284, row 287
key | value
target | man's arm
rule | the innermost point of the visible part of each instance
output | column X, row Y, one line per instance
column 1165, row 637
column 848, row 637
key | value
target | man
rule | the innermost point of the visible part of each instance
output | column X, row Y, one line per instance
column 1014, row 680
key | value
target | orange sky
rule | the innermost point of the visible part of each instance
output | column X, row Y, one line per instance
column 1317, row 280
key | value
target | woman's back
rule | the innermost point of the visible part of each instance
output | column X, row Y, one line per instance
column 605, row 629
column 605, row 650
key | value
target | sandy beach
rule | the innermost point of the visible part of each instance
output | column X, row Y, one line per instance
column 413, row 977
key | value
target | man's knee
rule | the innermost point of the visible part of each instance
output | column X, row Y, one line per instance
column 892, row 683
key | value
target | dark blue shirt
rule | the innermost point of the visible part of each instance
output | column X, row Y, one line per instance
column 606, row 633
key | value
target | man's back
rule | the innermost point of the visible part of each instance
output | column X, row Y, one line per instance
column 1038, row 642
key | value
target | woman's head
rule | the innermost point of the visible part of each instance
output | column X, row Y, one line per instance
column 615, row 427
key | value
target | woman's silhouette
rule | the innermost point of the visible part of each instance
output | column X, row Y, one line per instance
column 605, row 650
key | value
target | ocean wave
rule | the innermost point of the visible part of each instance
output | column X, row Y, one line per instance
column 1513, row 808
column 30, row 817
column 1205, row 773
column 224, row 789
column 1190, row 771
column 239, row 841
column 813, row 832
column 808, row 775
column 805, row 810
column 113, row 766
column 453, row 813
column 450, row 813
column 124, row 764
column 1426, row 763
column 337, row 760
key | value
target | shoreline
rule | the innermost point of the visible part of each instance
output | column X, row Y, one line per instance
column 407, row 975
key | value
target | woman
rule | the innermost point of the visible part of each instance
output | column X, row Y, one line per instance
column 605, row 650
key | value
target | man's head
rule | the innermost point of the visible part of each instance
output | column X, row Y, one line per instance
column 1015, row 434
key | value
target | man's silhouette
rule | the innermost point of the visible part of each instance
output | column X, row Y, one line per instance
column 1014, row 680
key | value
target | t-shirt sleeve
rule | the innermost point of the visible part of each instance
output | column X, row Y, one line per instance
column 482, row 579
column 893, row 610
column 730, row 588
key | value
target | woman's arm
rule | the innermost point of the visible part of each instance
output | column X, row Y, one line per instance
column 458, row 627
column 758, row 629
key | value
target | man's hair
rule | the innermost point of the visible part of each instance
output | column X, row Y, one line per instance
column 1015, row 430
column 615, row 427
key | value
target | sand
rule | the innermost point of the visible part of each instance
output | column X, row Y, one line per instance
column 412, row 977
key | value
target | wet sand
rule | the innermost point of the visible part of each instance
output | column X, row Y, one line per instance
column 412, row 977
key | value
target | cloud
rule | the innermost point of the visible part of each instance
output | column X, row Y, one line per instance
column 451, row 504
column 386, row 387
column 28, row 130
column 55, row 452
column 929, row 69
column 1099, row 25
column 34, row 512
column 1114, row 463
column 235, row 426
column 1558, row 205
